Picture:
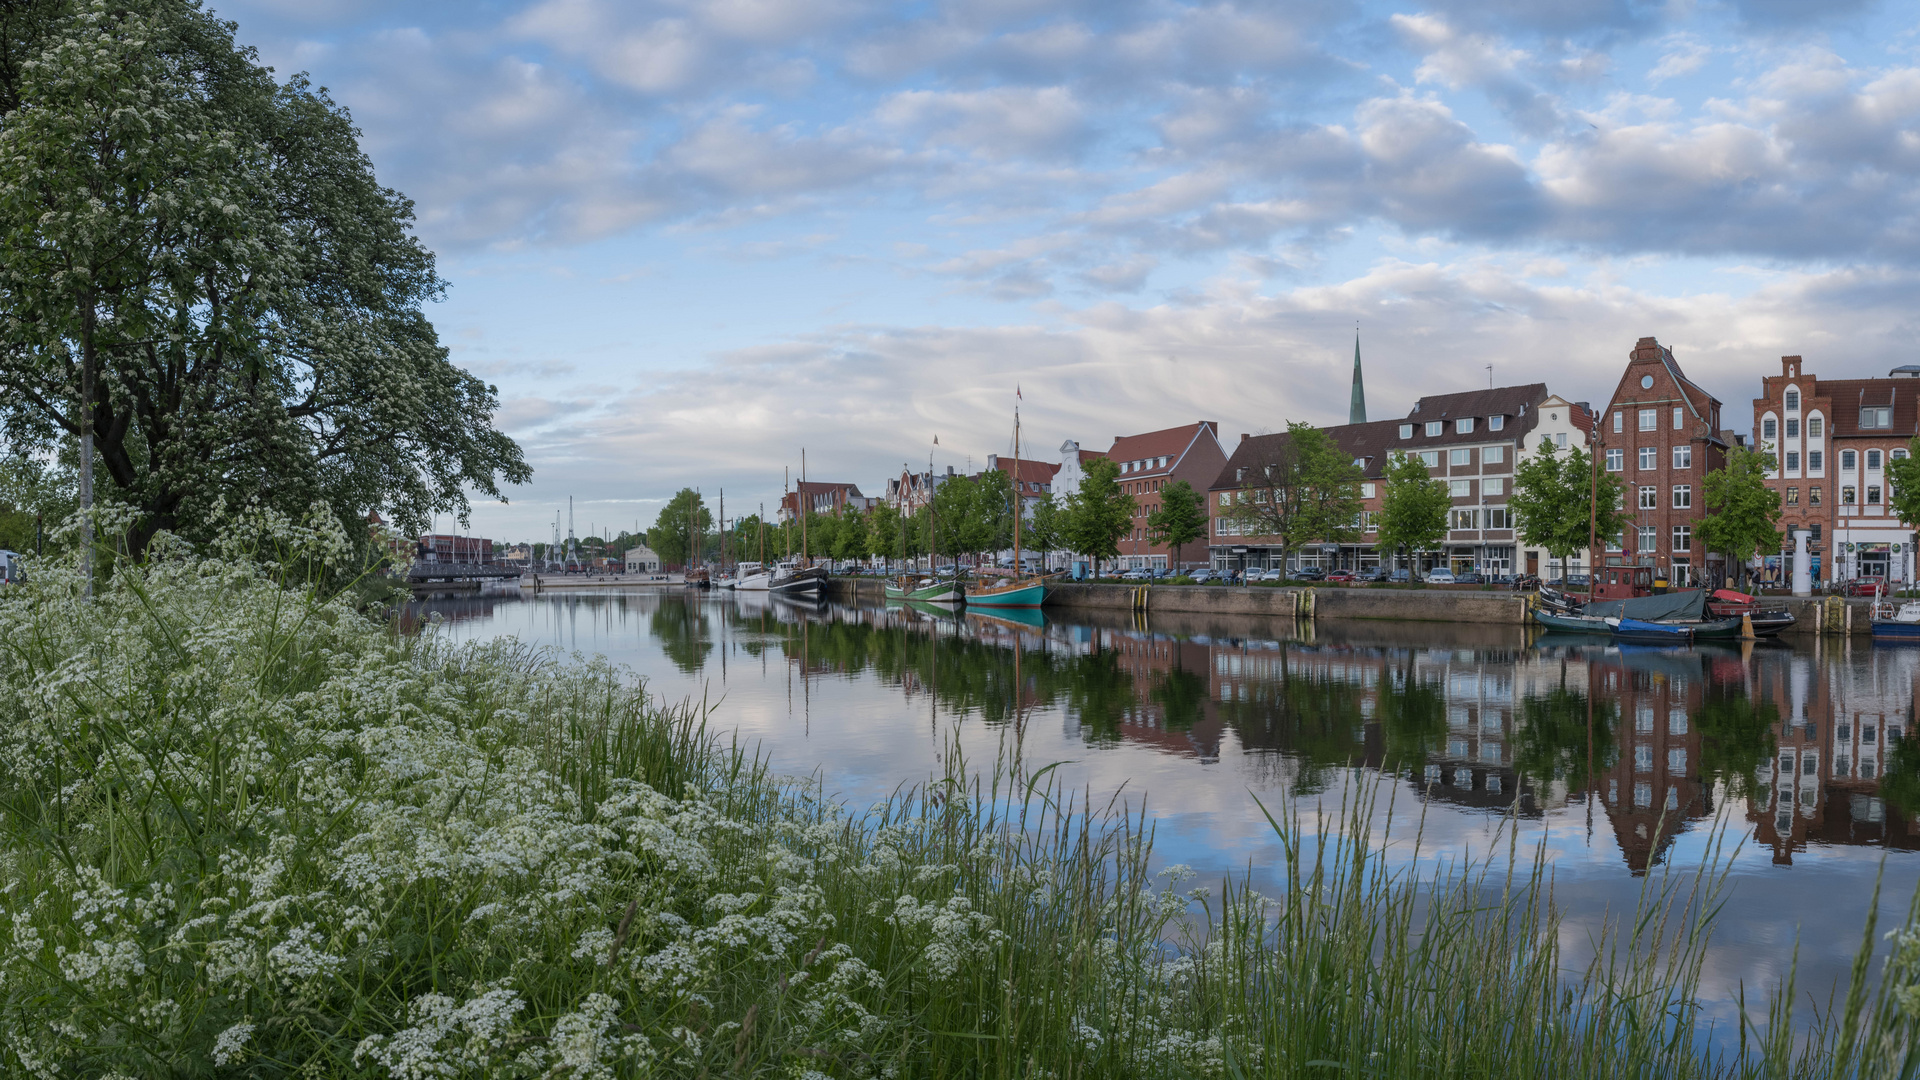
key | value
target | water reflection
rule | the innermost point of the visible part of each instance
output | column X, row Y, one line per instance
column 1807, row 743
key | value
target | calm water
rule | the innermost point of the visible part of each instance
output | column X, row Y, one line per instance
column 1796, row 748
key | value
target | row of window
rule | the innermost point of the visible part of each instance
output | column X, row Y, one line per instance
column 1872, row 418
column 1682, row 497
column 1649, row 419
column 1489, row 455
column 1462, row 425
column 1142, row 465
column 1649, row 458
column 1816, row 427
column 1492, row 517
column 1648, row 538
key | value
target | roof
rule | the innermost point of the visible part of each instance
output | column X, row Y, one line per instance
column 1033, row 472
column 1494, row 401
column 1369, row 442
column 1169, row 443
column 823, row 487
column 1849, row 396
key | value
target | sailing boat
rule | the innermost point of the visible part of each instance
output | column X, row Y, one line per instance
column 929, row 590
column 1016, row 591
column 800, row 579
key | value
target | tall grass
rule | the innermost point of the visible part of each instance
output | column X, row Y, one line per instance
column 246, row 831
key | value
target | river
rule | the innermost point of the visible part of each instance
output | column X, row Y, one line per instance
column 1624, row 762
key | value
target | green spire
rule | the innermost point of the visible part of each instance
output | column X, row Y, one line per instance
column 1357, row 411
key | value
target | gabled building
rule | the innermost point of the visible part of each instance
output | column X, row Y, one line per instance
column 1831, row 441
column 1661, row 434
column 910, row 491
column 822, row 497
column 1151, row 461
column 1034, row 481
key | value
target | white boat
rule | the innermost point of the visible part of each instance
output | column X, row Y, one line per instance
column 752, row 577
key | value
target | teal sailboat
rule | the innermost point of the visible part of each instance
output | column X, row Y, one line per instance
column 1015, row 591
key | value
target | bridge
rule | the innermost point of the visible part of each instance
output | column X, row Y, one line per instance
column 422, row 572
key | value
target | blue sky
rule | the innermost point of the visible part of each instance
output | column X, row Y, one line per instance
column 687, row 239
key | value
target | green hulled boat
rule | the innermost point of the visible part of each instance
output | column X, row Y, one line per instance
column 926, row 591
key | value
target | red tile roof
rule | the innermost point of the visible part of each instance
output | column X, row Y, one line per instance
column 1169, row 443
column 1849, row 396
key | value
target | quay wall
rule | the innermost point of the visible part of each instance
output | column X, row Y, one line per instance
column 1495, row 607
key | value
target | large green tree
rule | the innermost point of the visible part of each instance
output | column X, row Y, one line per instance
column 1743, row 513
column 990, row 513
column 1041, row 532
column 1297, row 489
column 1560, row 505
column 1179, row 520
column 1098, row 514
column 952, row 521
column 1903, row 484
column 200, row 272
column 673, row 530
column 1413, row 507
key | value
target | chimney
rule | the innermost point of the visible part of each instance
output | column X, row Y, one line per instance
column 993, row 462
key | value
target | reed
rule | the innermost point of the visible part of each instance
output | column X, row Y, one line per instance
column 247, row 831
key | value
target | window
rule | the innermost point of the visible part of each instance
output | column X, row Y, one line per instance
column 1769, row 429
column 1793, row 460
column 1876, row 416
column 1793, row 427
column 1616, row 460
column 1683, row 497
column 1546, row 442
column 1815, row 460
column 1897, row 455
column 1495, row 486
column 1498, row 517
column 1649, row 457
column 1873, row 494
column 1430, row 458
column 1616, row 420
column 1460, row 489
column 1560, row 439
column 1459, row 457
column 1815, row 426
column 1615, row 541
column 1406, row 431
column 1846, row 496
column 1646, row 539
column 1366, row 491
column 1683, row 538
column 1226, row 498
column 1493, row 455
column 1793, row 401
column 1463, row 425
column 1496, row 423
column 1649, row 419
column 1813, row 499
column 1683, row 457
column 1846, row 460
column 1373, row 524
column 1466, row 519
column 1649, row 498
column 1436, row 428
column 1679, row 418
column 1793, row 496
column 1873, row 460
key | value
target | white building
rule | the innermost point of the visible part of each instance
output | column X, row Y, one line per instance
column 1565, row 425
column 642, row 560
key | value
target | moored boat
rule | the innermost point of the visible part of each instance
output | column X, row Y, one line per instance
column 1572, row 624
column 1641, row 630
column 793, row 580
column 1014, row 593
column 1896, row 624
column 926, row 590
column 752, row 577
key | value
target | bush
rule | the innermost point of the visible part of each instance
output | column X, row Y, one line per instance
column 248, row 829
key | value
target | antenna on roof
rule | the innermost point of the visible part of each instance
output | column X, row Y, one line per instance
column 1489, row 376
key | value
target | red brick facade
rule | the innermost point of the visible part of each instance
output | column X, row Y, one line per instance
column 1660, row 435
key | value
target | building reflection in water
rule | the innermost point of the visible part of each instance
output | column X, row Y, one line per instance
column 1809, row 741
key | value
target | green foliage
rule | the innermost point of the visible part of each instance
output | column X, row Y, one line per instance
column 1743, row 513
column 1300, row 488
column 1042, row 532
column 1564, row 735
column 1736, row 736
column 672, row 534
column 990, row 524
column 852, row 541
column 1554, row 502
column 1097, row 515
column 1413, row 506
column 198, row 266
column 1903, row 483
column 951, row 519
column 1179, row 520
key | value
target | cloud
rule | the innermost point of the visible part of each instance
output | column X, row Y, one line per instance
column 1027, row 122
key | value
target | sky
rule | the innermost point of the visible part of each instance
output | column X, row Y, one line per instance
column 687, row 240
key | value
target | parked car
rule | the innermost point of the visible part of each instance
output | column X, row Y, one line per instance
column 1440, row 577
column 1343, row 576
column 1867, row 586
column 1401, row 576
column 1309, row 573
column 1471, row 577
column 1376, row 574
column 1201, row 577
column 1136, row 574
column 1576, row 581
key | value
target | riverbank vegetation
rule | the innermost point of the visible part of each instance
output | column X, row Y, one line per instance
column 249, row 831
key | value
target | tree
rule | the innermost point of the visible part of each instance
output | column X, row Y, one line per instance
column 1413, row 506
column 1041, row 532
column 672, row 534
column 953, row 511
column 1903, row 483
column 1298, row 488
column 200, row 273
column 851, row 542
column 1098, row 514
column 1180, row 519
column 1743, row 513
column 1560, row 506
column 990, row 523
column 884, row 534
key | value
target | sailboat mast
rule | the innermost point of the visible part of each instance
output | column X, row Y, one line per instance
column 723, row 530
column 806, row 555
column 786, row 527
column 1016, row 497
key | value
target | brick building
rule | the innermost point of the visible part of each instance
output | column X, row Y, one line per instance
column 1831, row 440
column 1660, row 435
column 1470, row 440
column 1148, row 463
column 822, row 497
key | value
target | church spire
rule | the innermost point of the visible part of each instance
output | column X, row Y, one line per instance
column 1357, row 410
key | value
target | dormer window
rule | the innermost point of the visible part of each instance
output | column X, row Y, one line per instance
column 1495, row 423
column 1436, row 428
column 1463, row 426
column 1406, row 431
column 1793, row 401
column 1878, row 416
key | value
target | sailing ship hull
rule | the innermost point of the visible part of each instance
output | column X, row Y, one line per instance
column 753, row 583
column 931, row 594
column 1029, row 594
column 808, row 582
column 1572, row 624
column 1638, row 630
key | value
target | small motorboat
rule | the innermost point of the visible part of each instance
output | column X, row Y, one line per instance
column 1572, row 624
column 1728, row 604
column 1896, row 624
column 1641, row 630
